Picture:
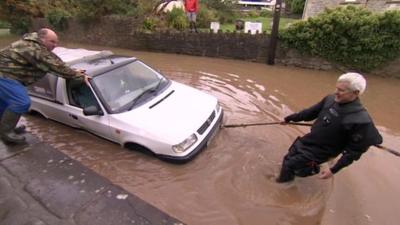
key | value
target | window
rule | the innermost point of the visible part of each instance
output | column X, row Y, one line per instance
column 45, row 87
column 120, row 87
column 80, row 95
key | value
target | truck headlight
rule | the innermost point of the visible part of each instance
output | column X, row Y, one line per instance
column 184, row 145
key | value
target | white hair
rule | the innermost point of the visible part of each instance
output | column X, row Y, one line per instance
column 356, row 81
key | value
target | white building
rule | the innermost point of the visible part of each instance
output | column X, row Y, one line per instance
column 260, row 3
column 315, row 7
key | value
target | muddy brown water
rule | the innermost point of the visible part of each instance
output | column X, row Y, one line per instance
column 231, row 182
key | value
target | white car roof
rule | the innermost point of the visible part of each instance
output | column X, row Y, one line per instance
column 76, row 55
column 76, row 58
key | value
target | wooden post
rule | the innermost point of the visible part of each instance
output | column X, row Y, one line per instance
column 274, row 33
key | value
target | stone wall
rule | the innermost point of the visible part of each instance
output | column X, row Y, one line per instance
column 118, row 32
column 314, row 7
column 121, row 33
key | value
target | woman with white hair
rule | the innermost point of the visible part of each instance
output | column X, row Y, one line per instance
column 342, row 126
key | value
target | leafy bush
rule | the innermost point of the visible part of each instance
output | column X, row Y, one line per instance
column 205, row 17
column 219, row 5
column 226, row 16
column 350, row 36
column 176, row 18
column 141, row 8
column 150, row 23
column 296, row 6
column 91, row 9
column 252, row 14
column 4, row 24
column 266, row 13
column 225, row 10
column 20, row 25
column 58, row 18
column 389, row 31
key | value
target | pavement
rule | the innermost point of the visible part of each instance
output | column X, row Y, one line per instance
column 40, row 185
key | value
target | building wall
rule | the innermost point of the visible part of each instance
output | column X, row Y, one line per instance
column 314, row 7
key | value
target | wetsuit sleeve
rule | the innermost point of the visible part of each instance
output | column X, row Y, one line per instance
column 309, row 113
column 358, row 144
column 347, row 158
column 49, row 62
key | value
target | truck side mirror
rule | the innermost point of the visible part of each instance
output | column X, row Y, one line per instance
column 92, row 110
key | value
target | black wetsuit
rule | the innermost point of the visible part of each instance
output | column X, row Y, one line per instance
column 339, row 128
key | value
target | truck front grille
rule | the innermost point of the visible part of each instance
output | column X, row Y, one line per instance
column 206, row 124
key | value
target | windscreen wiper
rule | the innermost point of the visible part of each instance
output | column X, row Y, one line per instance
column 150, row 90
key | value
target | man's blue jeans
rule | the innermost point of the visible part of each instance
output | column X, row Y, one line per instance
column 13, row 96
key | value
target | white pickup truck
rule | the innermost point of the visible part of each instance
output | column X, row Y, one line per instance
column 129, row 103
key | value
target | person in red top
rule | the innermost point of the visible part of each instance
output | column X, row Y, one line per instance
column 191, row 8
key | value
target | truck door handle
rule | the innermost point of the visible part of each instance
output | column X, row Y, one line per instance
column 73, row 116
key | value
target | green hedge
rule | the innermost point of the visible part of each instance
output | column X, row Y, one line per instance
column 205, row 17
column 58, row 18
column 296, row 6
column 350, row 36
column 176, row 18
column 4, row 25
column 20, row 25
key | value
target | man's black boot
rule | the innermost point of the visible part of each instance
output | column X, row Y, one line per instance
column 20, row 129
column 8, row 123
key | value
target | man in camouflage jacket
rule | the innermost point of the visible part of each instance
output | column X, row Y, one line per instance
column 21, row 64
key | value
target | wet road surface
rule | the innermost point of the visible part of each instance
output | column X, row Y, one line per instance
column 231, row 182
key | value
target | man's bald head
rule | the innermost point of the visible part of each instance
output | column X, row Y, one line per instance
column 48, row 38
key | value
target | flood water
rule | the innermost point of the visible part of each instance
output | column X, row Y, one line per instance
column 231, row 181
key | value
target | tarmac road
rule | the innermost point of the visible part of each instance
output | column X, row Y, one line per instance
column 42, row 186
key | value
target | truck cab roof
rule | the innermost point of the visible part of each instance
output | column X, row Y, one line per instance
column 93, row 62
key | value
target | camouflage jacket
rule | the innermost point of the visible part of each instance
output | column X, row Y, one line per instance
column 27, row 60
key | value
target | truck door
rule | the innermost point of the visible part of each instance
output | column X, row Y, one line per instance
column 80, row 96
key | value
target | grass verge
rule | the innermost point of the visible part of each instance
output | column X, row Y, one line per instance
column 266, row 23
